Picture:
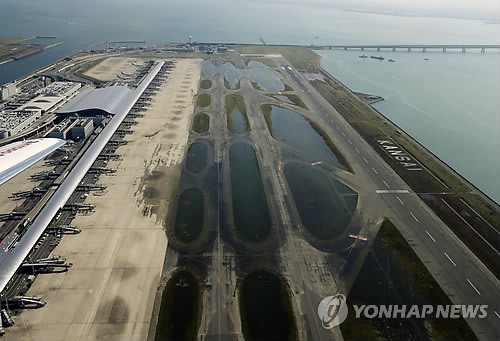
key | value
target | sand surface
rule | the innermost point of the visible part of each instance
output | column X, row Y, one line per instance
column 114, row 69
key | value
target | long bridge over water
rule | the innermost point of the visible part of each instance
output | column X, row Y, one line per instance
column 411, row 47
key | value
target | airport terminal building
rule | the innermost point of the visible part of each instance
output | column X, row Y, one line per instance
column 115, row 103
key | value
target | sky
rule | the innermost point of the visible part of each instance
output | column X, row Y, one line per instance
column 469, row 9
column 485, row 10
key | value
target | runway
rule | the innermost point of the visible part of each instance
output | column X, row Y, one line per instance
column 458, row 271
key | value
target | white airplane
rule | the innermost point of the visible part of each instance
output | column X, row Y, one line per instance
column 17, row 156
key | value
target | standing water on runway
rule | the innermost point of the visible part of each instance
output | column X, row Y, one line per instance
column 264, row 77
column 297, row 136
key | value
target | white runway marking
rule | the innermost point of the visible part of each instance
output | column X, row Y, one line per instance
column 434, row 240
column 472, row 285
column 480, row 217
column 401, row 201
column 357, row 150
column 374, row 171
column 385, row 183
column 451, row 260
column 496, row 314
column 365, row 160
column 413, row 216
column 343, row 133
column 349, row 141
column 471, row 227
column 386, row 191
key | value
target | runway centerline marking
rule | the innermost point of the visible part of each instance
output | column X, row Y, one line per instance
column 434, row 240
column 365, row 159
column 451, row 260
column 343, row 133
column 411, row 213
column 472, row 285
column 356, row 149
column 374, row 171
column 385, row 183
column 349, row 141
column 496, row 314
column 401, row 201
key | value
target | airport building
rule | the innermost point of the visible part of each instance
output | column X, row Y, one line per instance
column 72, row 128
column 7, row 90
column 51, row 96
column 14, row 122
column 115, row 101
column 83, row 128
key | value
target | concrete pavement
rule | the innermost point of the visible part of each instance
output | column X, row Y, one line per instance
column 457, row 270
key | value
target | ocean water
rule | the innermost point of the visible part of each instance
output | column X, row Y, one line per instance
column 450, row 103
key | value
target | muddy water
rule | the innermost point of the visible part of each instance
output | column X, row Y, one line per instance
column 266, row 311
column 265, row 77
column 201, row 123
column 237, row 122
column 325, row 205
column 293, row 130
column 189, row 217
column 179, row 314
column 250, row 211
column 196, row 160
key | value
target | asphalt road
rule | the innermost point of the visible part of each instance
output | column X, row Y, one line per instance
column 461, row 275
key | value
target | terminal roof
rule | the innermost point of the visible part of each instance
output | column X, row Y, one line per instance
column 113, row 100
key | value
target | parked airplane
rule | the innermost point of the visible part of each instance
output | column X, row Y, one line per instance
column 91, row 187
column 63, row 229
column 11, row 216
column 101, row 170
column 24, row 302
column 79, row 207
column 45, row 175
column 35, row 192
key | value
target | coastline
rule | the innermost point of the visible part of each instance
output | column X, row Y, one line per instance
column 473, row 187
column 148, row 175
column 34, row 72
column 441, row 162
column 16, row 50
column 468, row 212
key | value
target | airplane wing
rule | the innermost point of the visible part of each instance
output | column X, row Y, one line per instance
column 16, row 157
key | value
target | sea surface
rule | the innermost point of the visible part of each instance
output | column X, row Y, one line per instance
column 449, row 103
